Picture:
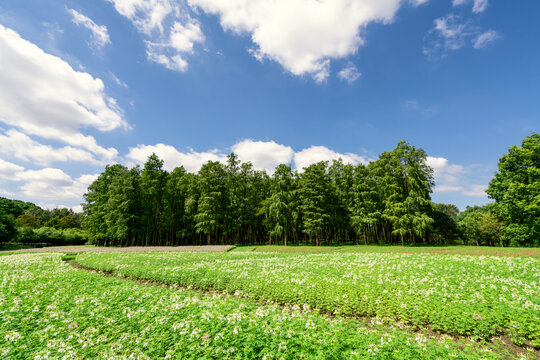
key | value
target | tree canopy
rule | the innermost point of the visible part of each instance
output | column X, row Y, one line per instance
column 386, row 201
column 516, row 191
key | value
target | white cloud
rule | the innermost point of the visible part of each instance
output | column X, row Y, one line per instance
column 100, row 34
column 5, row 192
column 349, row 73
column 264, row 155
column 485, row 38
column 314, row 154
column 52, row 186
column 43, row 95
column 301, row 35
column 118, row 81
column 21, row 146
column 171, row 32
column 451, row 178
column 47, row 185
column 478, row 5
column 147, row 15
column 419, row 2
column 191, row 160
column 476, row 190
column 9, row 170
column 452, row 32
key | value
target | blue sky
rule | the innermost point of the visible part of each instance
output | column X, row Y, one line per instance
column 88, row 83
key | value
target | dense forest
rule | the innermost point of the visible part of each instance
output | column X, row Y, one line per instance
column 28, row 224
column 387, row 201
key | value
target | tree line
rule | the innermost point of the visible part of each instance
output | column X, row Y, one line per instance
column 386, row 201
column 28, row 224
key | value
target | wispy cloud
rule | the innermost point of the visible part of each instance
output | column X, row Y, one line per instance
column 485, row 38
column 100, row 34
column 349, row 73
column 451, row 33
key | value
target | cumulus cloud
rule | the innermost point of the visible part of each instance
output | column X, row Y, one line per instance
column 100, row 34
column 301, row 35
column 349, row 73
column 172, row 158
column 43, row 95
column 264, row 155
column 314, row 154
column 171, row 32
column 485, row 38
column 452, row 32
column 47, row 186
column 21, row 146
column 9, row 171
column 52, row 186
column 451, row 178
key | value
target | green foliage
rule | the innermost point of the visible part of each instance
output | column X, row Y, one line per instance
column 50, row 310
column 27, row 220
column 444, row 228
column 334, row 203
column 478, row 296
column 481, row 227
column 516, row 190
column 7, row 228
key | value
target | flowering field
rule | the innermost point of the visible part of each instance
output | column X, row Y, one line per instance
column 50, row 310
column 483, row 297
column 446, row 250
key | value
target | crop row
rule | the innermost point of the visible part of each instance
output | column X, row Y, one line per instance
column 475, row 296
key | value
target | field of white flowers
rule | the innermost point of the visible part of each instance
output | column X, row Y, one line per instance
column 50, row 310
column 478, row 296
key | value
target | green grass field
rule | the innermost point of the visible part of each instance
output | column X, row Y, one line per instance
column 275, row 304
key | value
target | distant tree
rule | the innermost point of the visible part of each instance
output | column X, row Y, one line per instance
column 8, row 231
column 53, row 223
column 480, row 226
column 444, row 228
column 27, row 220
column 516, row 191
column 67, row 222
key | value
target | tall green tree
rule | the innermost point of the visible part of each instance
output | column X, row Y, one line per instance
column 516, row 191
column 279, row 206
column 95, row 206
column 153, row 179
column 212, row 202
column 315, row 193
column 408, row 181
